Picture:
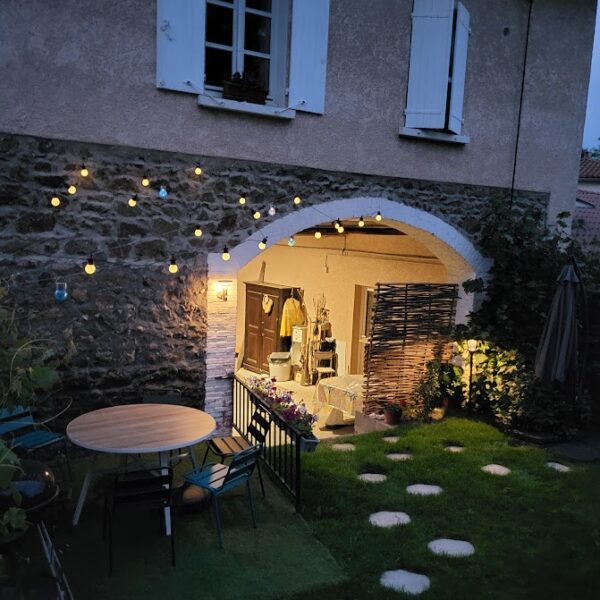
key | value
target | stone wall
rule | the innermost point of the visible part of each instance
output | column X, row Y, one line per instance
column 134, row 324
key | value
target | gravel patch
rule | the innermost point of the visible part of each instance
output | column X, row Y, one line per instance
column 448, row 547
column 405, row 581
column 372, row 477
column 387, row 519
column 424, row 489
column 496, row 469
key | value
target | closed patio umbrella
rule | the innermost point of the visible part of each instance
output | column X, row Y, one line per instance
column 556, row 358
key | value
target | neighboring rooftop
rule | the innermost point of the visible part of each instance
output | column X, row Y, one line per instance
column 587, row 209
column 589, row 168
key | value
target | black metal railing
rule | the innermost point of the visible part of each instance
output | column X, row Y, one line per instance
column 282, row 445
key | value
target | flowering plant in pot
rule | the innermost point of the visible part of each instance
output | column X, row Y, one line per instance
column 392, row 412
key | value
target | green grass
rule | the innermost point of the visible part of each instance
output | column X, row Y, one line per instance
column 536, row 532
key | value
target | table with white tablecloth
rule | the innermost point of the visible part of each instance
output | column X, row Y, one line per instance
column 342, row 395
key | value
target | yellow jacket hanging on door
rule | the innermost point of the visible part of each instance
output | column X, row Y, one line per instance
column 291, row 315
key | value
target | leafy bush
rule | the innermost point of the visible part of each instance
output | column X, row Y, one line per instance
column 439, row 386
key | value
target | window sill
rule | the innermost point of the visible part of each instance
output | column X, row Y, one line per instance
column 265, row 110
column 435, row 136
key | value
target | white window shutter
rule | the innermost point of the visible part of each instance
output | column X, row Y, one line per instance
column 180, row 33
column 308, row 57
column 430, row 46
column 459, row 69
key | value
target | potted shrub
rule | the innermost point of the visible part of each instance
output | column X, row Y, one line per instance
column 392, row 413
column 244, row 87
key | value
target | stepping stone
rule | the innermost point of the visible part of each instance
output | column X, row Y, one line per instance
column 343, row 447
column 372, row 477
column 558, row 467
column 387, row 518
column 405, row 581
column 391, row 439
column 496, row 469
column 399, row 456
column 454, row 449
column 448, row 547
column 424, row 489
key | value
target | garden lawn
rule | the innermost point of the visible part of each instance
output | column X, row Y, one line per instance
column 536, row 532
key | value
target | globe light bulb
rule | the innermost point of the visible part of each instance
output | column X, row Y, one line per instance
column 378, row 216
column 318, row 235
column 72, row 189
column 291, row 241
column 340, row 229
column 198, row 171
column 60, row 293
column 132, row 201
column 297, row 200
column 145, row 181
column 256, row 214
column 337, row 224
column 173, row 268
column 262, row 244
column 163, row 193
column 225, row 256
column 361, row 222
column 198, row 232
column 55, row 201
column 90, row 267
column 271, row 211
column 84, row 172
column 242, row 200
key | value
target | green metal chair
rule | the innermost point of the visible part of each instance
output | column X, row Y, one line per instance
column 219, row 478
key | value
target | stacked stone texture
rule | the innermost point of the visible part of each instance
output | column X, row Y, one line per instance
column 134, row 324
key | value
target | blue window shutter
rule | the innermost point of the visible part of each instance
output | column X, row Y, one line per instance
column 180, row 33
column 308, row 57
column 459, row 69
column 430, row 46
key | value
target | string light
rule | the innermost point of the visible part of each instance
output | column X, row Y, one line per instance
column 173, row 268
column 337, row 224
column 341, row 229
column 297, row 200
column 225, row 256
column 72, row 189
column 291, row 241
column 318, row 234
column 132, row 201
column 378, row 216
column 84, row 172
column 262, row 244
column 242, row 200
column 198, row 171
column 361, row 222
column 90, row 267
column 198, row 232
column 60, row 293
column 163, row 193
column 145, row 181
column 271, row 211
column 55, row 201
column 256, row 214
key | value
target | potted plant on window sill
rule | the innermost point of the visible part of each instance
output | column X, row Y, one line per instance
column 244, row 88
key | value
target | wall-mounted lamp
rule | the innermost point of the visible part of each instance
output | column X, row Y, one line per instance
column 222, row 289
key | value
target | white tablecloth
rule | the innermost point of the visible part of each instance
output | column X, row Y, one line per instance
column 344, row 393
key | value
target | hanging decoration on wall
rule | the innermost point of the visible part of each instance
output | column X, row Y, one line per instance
column 267, row 304
column 163, row 193
column 271, row 211
column 60, row 293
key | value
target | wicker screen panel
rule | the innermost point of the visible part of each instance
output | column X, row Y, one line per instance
column 410, row 326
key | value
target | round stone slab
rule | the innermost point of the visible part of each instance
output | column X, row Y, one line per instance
column 405, row 581
column 387, row 518
column 424, row 489
column 372, row 477
column 496, row 469
column 558, row 467
column 399, row 456
column 391, row 439
column 454, row 449
column 451, row 547
column 343, row 447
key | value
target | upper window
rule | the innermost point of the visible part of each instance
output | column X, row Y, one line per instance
column 437, row 70
column 204, row 45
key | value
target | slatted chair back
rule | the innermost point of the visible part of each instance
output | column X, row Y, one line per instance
column 144, row 487
column 258, row 428
column 14, row 419
column 241, row 467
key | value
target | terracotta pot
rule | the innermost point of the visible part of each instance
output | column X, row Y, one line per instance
column 392, row 416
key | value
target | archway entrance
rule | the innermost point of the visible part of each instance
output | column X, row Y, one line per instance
column 406, row 246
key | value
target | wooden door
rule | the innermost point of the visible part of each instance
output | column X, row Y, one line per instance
column 253, row 341
column 270, row 330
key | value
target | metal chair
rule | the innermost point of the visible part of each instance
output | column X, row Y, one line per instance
column 226, row 447
column 139, row 488
column 327, row 369
column 23, row 434
column 218, row 478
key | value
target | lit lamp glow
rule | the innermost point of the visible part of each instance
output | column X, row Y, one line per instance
column 378, row 216
column 72, row 189
column 173, row 268
column 242, row 200
column 198, row 232
column 361, row 222
column 341, row 229
column 198, row 171
column 60, row 294
column 222, row 287
column 262, row 244
column 291, row 241
column 271, row 211
column 90, row 267
column 84, row 172
column 163, row 193
column 337, row 224
column 55, row 201
column 297, row 200
column 317, row 235
column 145, row 181
column 256, row 214
column 472, row 348
column 132, row 201
column 225, row 256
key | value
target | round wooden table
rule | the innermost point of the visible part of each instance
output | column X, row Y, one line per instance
column 138, row 429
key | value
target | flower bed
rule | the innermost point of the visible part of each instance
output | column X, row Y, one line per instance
column 282, row 403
